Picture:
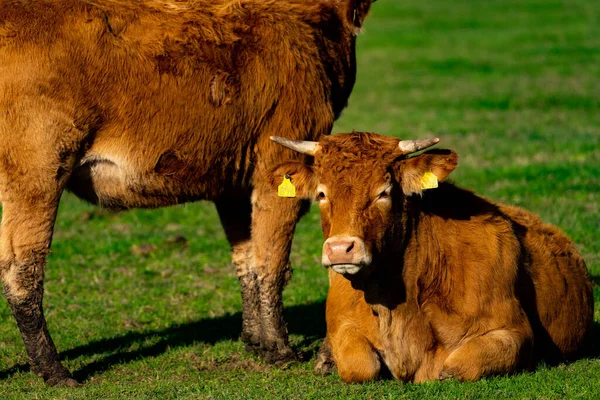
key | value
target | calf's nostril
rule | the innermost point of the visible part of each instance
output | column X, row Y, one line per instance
column 350, row 248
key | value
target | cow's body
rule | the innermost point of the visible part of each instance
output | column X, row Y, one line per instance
column 438, row 283
column 153, row 103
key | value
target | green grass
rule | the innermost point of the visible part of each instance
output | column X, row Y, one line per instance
column 513, row 86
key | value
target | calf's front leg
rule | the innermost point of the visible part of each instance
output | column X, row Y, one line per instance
column 356, row 359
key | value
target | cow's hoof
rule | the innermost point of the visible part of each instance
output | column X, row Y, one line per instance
column 280, row 357
column 252, row 340
column 252, row 348
column 56, row 375
column 62, row 381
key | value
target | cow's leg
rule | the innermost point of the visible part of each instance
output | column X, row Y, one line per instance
column 497, row 352
column 27, row 225
column 235, row 214
column 273, row 223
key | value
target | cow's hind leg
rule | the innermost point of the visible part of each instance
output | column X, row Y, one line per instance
column 273, row 223
column 235, row 214
column 27, row 225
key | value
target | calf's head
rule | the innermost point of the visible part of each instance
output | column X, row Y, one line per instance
column 363, row 183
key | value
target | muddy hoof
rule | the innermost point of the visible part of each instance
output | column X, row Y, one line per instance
column 62, row 381
column 252, row 342
column 70, row 382
column 252, row 348
column 280, row 357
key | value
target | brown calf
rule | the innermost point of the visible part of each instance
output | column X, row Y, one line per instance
column 152, row 103
column 435, row 284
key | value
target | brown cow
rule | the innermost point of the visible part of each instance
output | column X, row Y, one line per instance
column 435, row 284
column 153, row 103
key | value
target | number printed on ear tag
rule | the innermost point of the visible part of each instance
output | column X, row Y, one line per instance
column 287, row 188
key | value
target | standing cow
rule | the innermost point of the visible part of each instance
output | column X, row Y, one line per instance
column 439, row 283
column 152, row 103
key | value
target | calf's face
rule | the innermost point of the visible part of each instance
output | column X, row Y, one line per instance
column 362, row 182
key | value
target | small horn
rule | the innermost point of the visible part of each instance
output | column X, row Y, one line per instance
column 301, row 146
column 412, row 146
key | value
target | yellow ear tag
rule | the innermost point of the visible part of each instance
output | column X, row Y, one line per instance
column 429, row 181
column 287, row 188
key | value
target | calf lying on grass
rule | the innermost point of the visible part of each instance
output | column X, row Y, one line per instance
column 435, row 284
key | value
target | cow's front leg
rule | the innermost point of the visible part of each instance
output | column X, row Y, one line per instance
column 235, row 214
column 27, row 225
column 273, row 223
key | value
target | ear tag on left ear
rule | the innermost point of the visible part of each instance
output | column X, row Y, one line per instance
column 287, row 188
column 429, row 181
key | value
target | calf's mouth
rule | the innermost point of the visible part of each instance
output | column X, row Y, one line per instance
column 345, row 254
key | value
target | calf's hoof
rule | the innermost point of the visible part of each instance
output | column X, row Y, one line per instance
column 325, row 367
column 446, row 375
column 325, row 364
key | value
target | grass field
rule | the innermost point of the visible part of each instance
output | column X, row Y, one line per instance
column 513, row 86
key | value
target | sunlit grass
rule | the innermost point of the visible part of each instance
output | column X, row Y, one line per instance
column 512, row 86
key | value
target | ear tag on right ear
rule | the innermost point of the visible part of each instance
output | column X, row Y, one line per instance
column 287, row 188
column 429, row 181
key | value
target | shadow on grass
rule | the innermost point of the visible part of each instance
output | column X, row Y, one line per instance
column 591, row 348
column 306, row 320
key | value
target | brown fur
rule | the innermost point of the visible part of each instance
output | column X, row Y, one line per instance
column 153, row 103
column 458, row 287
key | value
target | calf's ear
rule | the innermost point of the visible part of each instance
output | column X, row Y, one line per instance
column 357, row 11
column 422, row 172
column 296, row 179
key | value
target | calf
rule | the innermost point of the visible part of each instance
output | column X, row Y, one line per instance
column 151, row 103
column 439, row 283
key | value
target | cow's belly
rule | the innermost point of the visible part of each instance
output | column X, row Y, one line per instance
column 110, row 184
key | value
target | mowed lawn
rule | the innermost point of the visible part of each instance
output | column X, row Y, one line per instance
column 145, row 304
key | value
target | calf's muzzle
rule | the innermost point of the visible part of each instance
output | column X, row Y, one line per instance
column 345, row 254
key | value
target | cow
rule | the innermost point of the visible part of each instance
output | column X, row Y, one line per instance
column 430, row 280
column 153, row 103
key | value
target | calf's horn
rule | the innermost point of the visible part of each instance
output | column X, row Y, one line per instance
column 411, row 146
column 301, row 146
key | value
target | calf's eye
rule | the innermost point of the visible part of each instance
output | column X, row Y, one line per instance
column 384, row 195
column 321, row 196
